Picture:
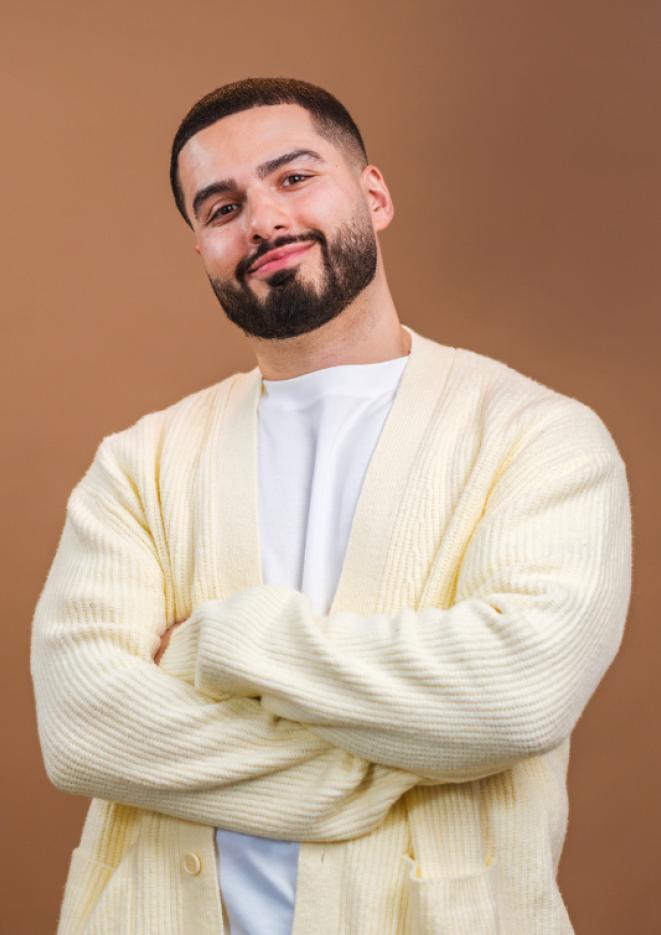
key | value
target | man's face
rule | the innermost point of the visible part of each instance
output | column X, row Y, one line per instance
column 246, row 195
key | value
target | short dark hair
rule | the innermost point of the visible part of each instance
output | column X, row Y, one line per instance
column 330, row 118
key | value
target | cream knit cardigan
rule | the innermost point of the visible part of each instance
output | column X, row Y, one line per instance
column 415, row 739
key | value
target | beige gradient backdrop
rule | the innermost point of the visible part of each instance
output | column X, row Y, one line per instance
column 521, row 143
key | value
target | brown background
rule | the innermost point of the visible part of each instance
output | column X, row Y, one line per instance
column 521, row 144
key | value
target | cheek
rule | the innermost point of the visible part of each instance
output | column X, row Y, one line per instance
column 323, row 208
column 220, row 253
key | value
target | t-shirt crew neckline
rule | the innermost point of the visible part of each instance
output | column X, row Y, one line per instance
column 365, row 380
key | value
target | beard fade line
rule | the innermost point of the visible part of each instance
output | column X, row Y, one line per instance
column 293, row 307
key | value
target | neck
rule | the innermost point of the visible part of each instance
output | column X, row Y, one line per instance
column 367, row 332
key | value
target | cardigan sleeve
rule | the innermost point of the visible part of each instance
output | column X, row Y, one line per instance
column 114, row 725
column 503, row 674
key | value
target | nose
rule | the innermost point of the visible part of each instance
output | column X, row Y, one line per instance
column 266, row 218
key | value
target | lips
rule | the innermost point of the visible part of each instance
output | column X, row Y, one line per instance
column 281, row 254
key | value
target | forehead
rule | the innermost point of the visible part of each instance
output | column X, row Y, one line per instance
column 236, row 144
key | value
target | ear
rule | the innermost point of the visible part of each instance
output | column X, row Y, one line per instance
column 196, row 246
column 381, row 207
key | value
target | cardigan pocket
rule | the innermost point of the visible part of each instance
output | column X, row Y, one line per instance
column 463, row 905
column 86, row 881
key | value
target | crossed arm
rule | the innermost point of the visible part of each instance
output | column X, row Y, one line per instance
column 114, row 725
column 459, row 693
column 267, row 719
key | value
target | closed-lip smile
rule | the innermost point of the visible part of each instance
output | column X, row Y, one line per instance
column 279, row 254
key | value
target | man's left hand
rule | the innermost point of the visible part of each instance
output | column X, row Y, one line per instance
column 165, row 639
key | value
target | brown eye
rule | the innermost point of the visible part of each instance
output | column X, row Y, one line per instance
column 220, row 212
column 296, row 176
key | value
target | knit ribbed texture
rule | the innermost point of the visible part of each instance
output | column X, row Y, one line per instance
column 414, row 739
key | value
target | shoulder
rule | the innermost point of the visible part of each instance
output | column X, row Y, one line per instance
column 510, row 409
column 174, row 431
column 524, row 409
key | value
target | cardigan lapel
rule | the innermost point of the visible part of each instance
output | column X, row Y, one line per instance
column 377, row 529
column 232, row 523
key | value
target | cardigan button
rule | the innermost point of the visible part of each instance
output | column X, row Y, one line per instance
column 192, row 864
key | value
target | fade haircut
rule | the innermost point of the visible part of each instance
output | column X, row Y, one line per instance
column 330, row 118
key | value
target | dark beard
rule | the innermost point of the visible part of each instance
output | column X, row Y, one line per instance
column 294, row 307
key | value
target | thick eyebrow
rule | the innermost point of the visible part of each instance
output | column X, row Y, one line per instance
column 266, row 168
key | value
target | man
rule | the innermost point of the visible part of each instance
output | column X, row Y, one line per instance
column 380, row 578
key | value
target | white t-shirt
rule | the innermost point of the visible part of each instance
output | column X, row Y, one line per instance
column 317, row 433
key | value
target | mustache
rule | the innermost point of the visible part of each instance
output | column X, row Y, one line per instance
column 276, row 245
